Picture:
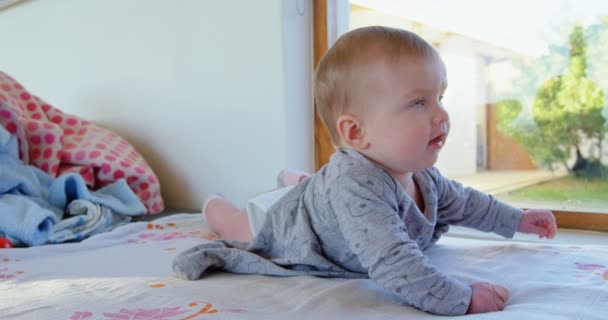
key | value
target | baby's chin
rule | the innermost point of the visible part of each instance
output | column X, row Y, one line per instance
column 429, row 162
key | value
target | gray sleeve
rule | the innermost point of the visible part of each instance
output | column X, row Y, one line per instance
column 366, row 210
column 466, row 206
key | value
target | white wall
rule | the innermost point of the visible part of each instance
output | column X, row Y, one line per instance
column 298, row 71
column 459, row 156
column 203, row 89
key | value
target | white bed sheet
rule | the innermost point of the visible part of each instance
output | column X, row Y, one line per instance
column 126, row 274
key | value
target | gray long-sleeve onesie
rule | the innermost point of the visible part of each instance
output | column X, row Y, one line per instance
column 353, row 220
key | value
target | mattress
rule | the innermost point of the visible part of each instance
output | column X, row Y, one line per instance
column 126, row 274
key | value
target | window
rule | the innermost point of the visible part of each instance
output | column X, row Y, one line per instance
column 8, row 3
column 527, row 96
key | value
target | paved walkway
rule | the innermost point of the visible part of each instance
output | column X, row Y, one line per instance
column 495, row 182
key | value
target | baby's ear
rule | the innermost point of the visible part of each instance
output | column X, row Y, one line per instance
column 351, row 132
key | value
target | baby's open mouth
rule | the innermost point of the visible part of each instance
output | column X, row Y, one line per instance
column 437, row 141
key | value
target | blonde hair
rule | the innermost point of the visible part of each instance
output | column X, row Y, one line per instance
column 338, row 71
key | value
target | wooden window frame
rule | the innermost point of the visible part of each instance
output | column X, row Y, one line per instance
column 324, row 147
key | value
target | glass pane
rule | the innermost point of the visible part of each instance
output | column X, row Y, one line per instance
column 527, row 96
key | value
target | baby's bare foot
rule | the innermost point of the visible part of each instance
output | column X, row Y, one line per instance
column 228, row 221
column 289, row 177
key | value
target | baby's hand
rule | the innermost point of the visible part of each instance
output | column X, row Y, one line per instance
column 487, row 297
column 541, row 222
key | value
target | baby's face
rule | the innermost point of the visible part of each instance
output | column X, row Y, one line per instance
column 404, row 119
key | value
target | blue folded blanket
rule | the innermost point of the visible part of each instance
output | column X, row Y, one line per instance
column 32, row 202
column 84, row 219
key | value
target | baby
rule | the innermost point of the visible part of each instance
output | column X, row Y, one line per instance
column 379, row 202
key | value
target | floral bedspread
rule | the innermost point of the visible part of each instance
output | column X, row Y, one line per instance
column 126, row 274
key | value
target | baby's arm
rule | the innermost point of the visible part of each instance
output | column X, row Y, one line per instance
column 472, row 208
column 466, row 206
column 373, row 230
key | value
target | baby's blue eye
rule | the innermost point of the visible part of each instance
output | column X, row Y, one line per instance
column 419, row 103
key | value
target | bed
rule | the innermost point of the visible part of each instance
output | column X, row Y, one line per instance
column 126, row 274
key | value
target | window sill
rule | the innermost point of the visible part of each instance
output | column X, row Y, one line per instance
column 563, row 236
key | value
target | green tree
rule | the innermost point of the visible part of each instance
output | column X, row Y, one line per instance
column 566, row 110
column 546, row 149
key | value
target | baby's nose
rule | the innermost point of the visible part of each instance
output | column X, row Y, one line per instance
column 444, row 126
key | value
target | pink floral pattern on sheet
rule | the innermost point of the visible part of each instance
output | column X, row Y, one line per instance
column 5, row 272
column 593, row 269
column 81, row 315
column 145, row 314
column 5, row 275
column 192, row 311
column 168, row 236
column 588, row 266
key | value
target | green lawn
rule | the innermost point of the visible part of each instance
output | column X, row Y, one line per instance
column 568, row 192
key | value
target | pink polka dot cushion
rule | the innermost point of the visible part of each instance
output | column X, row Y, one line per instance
column 57, row 143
